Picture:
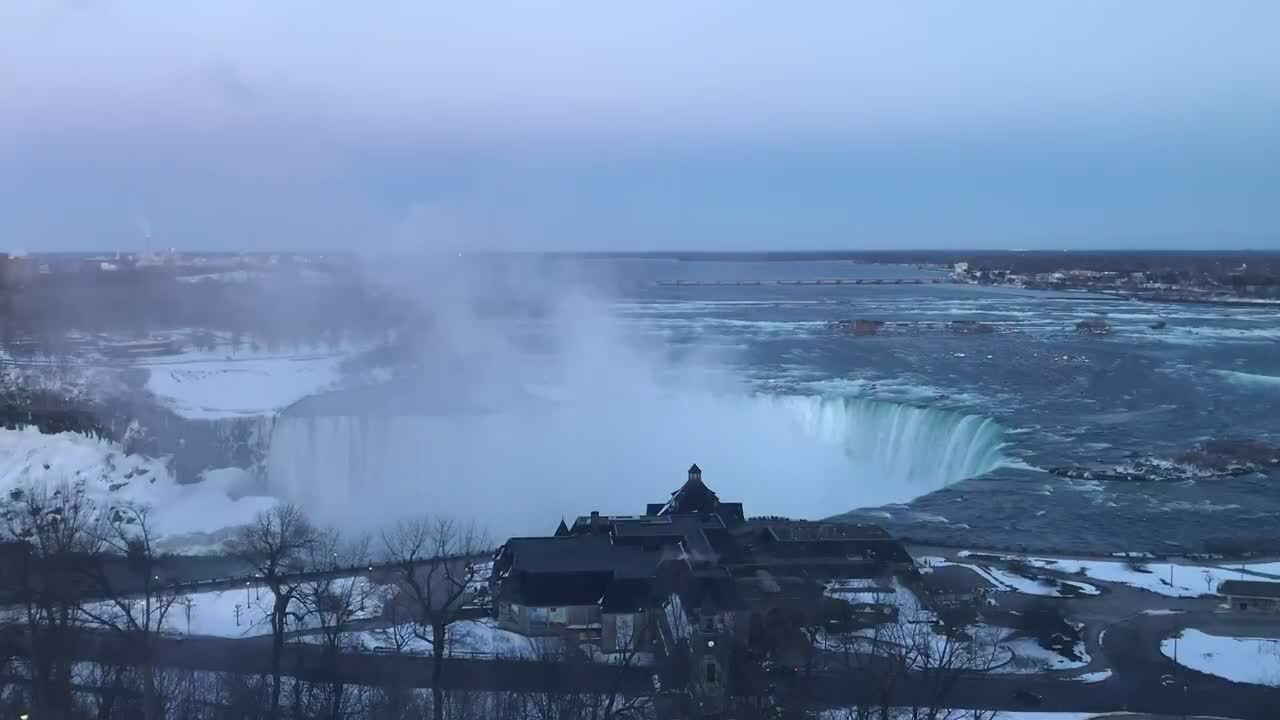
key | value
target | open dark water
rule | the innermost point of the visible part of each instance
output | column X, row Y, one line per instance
column 1064, row 398
column 941, row 436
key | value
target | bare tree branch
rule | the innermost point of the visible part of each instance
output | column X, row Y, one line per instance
column 277, row 545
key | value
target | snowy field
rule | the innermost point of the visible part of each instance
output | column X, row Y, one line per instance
column 1239, row 659
column 242, row 612
column 1187, row 580
column 1030, row 657
column 181, row 513
column 203, row 386
column 1004, row 580
column 471, row 638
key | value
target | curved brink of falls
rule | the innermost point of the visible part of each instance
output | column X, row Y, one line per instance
column 518, row 471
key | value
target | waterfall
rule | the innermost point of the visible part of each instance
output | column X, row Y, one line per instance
column 520, row 470
column 916, row 447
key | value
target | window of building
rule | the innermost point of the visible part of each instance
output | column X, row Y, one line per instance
column 712, row 672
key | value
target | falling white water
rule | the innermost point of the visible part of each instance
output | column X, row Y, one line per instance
column 519, row 471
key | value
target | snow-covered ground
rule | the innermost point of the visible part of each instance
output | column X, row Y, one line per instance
column 239, row 613
column 206, row 387
column 471, row 638
column 181, row 513
column 226, row 613
column 635, row 659
column 1004, row 580
column 1030, row 657
column 1239, row 659
column 1187, row 580
column 243, row 612
column 1092, row 677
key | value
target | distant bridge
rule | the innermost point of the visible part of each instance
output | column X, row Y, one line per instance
column 818, row 281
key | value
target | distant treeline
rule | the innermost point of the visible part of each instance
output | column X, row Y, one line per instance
column 1173, row 264
column 38, row 311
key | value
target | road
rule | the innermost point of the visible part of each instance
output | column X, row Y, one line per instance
column 1123, row 635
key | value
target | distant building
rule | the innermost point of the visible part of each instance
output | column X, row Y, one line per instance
column 1251, row 595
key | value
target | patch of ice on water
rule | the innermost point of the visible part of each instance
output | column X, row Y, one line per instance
column 1251, row 380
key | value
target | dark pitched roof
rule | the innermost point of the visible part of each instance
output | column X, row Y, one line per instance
column 714, row 593
column 1250, row 588
column 627, row 595
column 731, row 512
column 563, row 530
column 555, row 589
column 765, row 591
column 695, row 469
column 579, row 554
column 692, row 497
column 687, row 530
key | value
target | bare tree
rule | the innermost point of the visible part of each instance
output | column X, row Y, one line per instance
column 52, row 538
column 914, row 661
column 398, row 638
column 138, row 611
column 331, row 603
column 276, row 545
column 441, row 566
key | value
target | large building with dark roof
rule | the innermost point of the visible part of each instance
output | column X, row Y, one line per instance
column 691, row 570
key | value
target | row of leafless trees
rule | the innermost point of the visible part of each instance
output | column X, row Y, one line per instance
column 82, row 576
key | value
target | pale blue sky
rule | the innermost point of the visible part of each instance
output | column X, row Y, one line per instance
column 685, row 124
